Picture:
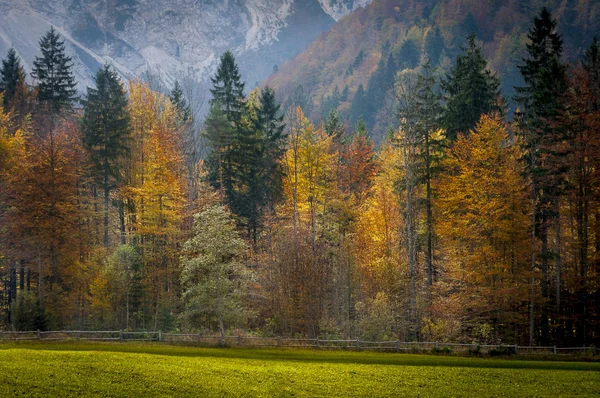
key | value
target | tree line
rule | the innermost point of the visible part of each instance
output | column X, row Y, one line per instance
column 460, row 227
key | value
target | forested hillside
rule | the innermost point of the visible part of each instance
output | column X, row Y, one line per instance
column 116, row 213
column 351, row 68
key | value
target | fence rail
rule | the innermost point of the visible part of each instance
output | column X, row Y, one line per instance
column 284, row 342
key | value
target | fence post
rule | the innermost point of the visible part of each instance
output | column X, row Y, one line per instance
column 436, row 346
column 120, row 335
column 397, row 345
column 516, row 349
column 278, row 341
column 239, row 340
column 554, row 350
column 317, row 342
column 160, row 335
column 39, row 334
column 358, row 344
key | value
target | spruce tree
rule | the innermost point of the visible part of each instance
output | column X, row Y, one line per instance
column 106, row 132
column 429, row 112
column 471, row 90
column 434, row 46
column 11, row 76
column 228, row 88
column 270, row 120
column 545, row 83
column 56, row 83
column 178, row 100
column 227, row 107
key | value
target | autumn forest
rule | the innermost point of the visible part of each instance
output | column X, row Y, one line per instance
column 468, row 222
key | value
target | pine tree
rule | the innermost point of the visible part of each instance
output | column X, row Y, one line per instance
column 429, row 112
column 227, row 107
column 228, row 88
column 106, row 132
column 545, row 84
column 471, row 90
column 11, row 75
column 434, row 46
column 271, row 123
column 178, row 100
column 56, row 83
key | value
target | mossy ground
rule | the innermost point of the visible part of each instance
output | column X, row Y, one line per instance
column 131, row 370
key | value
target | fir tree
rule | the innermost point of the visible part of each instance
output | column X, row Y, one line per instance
column 11, row 76
column 545, row 84
column 227, row 107
column 434, row 46
column 106, row 130
column 183, row 109
column 56, row 83
column 228, row 88
column 334, row 127
column 429, row 112
column 270, row 121
column 471, row 90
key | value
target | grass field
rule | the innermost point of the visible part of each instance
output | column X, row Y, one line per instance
column 132, row 370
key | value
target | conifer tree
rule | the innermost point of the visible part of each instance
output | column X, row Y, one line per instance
column 178, row 99
column 56, row 83
column 270, row 120
column 471, row 90
column 106, row 132
column 11, row 75
column 227, row 107
column 434, row 45
column 429, row 112
column 545, row 83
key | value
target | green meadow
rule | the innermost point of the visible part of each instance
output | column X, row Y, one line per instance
column 133, row 370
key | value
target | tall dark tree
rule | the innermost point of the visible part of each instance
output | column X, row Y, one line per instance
column 227, row 107
column 11, row 76
column 429, row 112
column 545, row 84
column 53, row 72
column 228, row 88
column 106, row 132
column 178, row 99
column 434, row 46
column 470, row 89
column 270, row 119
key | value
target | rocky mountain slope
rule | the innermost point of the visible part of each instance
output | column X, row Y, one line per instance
column 170, row 39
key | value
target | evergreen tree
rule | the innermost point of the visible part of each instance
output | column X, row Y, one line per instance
column 270, row 120
column 11, row 76
column 334, row 127
column 471, row 90
column 434, row 46
column 183, row 109
column 408, row 56
column 228, row 89
column 227, row 107
column 106, row 130
column 56, row 83
column 429, row 111
column 545, row 84
column 357, row 110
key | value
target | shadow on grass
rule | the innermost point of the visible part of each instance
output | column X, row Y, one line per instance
column 308, row 356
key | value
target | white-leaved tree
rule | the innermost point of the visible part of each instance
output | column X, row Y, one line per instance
column 214, row 276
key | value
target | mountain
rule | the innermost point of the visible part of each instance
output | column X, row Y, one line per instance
column 371, row 45
column 169, row 39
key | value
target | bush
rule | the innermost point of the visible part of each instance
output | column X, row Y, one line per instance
column 26, row 313
column 502, row 351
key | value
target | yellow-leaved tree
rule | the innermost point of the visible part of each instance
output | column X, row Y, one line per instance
column 484, row 228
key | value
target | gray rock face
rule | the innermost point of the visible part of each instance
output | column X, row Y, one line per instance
column 169, row 39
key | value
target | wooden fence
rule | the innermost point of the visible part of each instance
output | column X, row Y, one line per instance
column 283, row 342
